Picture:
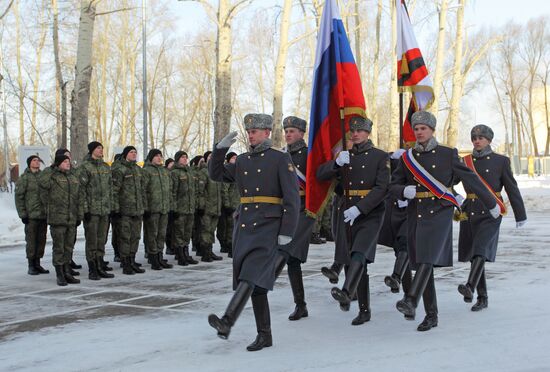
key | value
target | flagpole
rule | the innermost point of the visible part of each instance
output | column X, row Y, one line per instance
column 345, row 172
column 401, row 120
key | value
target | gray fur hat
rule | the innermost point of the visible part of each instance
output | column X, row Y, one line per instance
column 258, row 121
column 423, row 117
column 294, row 122
column 360, row 123
column 482, row 130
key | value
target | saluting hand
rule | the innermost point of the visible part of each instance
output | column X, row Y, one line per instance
column 227, row 141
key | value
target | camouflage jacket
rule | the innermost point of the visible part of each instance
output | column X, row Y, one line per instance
column 128, row 196
column 183, row 189
column 27, row 196
column 96, row 181
column 201, row 179
column 62, row 197
column 157, row 188
column 230, row 196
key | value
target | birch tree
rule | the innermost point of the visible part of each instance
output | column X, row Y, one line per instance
column 440, row 55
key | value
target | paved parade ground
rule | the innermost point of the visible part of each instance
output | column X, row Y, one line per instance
column 157, row 320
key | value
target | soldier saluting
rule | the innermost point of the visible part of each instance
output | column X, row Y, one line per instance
column 267, row 216
column 424, row 175
column 478, row 237
column 369, row 176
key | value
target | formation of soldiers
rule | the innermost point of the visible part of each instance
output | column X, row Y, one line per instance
column 255, row 205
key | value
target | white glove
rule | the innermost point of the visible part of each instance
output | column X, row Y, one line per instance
column 520, row 223
column 343, row 158
column 351, row 214
column 495, row 211
column 283, row 239
column 460, row 199
column 227, row 141
column 402, row 203
column 397, row 153
column 409, row 192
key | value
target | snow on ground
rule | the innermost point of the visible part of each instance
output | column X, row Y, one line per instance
column 157, row 320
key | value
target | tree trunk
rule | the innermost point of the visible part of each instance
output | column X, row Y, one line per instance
column 375, row 77
column 19, row 74
column 393, row 140
column 454, row 113
column 222, row 110
column 280, row 76
column 80, row 96
column 546, row 114
column 440, row 56
column 36, row 83
column 61, row 113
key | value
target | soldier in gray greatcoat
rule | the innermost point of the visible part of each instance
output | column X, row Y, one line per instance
column 368, row 179
column 295, row 253
column 429, row 219
column 266, row 217
column 478, row 237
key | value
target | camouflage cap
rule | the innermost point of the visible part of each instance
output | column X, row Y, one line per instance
column 423, row 117
column 294, row 122
column 482, row 130
column 360, row 123
column 258, row 121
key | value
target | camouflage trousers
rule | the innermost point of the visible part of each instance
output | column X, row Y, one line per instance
column 63, row 239
column 182, row 230
column 224, row 231
column 129, row 233
column 208, row 227
column 35, row 237
column 155, row 232
column 95, row 231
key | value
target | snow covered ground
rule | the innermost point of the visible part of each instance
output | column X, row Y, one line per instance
column 157, row 320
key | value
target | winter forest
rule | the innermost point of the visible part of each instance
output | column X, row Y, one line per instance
column 72, row 71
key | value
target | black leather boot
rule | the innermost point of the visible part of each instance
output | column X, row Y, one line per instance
column 155, row 263
column 92, row 271
column 263, row 323
column 68, row 276
column 213, row 255
column 32, row 268
column 60, row 275
column 230, row 250
column 39, row 268
column 126, row 266
column 353, row 276
column 180, row 256
column 75, row 266
column 467, row 290
column 316, row 239
column 188, row 257
column 297, row 285
column 101, row 271
column 223, row 248
column 163, row 263
column 430, row 306
column 482, row 298
column 234, row 308
column 280, row 263
column 363, row 296
column 407, row 305
column 406, row 283
column 401, row 264
column 332, row 272
column 206, row 254
column 134, row 265
column 133, row 256
column 104, row 264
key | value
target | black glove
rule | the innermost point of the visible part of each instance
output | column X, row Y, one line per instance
column 115, row 215
column 146, row 214
column 77, row 223
column 87, row 216
column 25, row 220
column 175, row 215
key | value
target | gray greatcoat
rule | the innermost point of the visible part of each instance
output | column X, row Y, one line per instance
column 368, row 170
column 263, row 171
column 429, row 220
column 479, row 233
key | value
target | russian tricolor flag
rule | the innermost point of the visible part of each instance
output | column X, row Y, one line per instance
column 336, row 89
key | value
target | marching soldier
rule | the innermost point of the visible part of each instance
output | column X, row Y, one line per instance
column 128, row 206
column 64, row 204
column 183, row 196
column 32, row 213
column 157, row 203
column 230, row 202
column 424, row 176
column 295, row 253
column 212, row 210
column 267, row 216
column 369, row 175
column 394, row 234
column 96, row 182
column 478, row 237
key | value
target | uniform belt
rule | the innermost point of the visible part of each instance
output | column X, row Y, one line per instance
column 424, row 195
column 358, row 192
column 474, row 196
column 261, row 199
column 302, row 193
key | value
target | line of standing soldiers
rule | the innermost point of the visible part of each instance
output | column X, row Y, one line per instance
column 173, row 206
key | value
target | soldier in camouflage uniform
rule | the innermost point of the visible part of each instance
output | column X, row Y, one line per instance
column 96, row 183
column 32, row 213
column 478, row 239
column 369, row 176
column 267, row 217
column 230, row 202
column 62, row 197
column 115, row 226
column 212, row 210
column 201, row 178
column 128, row 206
column 157, row 187
column 183, row 196
column 169, row 164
